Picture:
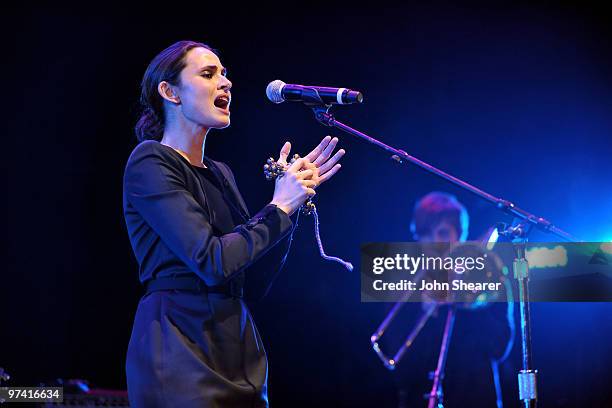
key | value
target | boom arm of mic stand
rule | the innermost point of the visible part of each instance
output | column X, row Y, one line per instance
column 324, row 117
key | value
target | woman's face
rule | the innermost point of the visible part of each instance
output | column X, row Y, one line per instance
column 204, row 91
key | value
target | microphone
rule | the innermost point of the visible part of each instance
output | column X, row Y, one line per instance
column 278, row 92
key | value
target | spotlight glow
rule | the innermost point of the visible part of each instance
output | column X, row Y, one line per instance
column 542, row 257
column 606, row 247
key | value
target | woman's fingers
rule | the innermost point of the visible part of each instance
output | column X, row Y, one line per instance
column 284, row 153
column 303, row 175
column 319, row 149
column 329, row 174
column 331, row 162
column 301, row 165
column 297, row 165
column 319, row 158
column 313, row 167
column 310, row 183
column 326, row 152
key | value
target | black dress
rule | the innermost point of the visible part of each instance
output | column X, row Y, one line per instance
column 195, row 349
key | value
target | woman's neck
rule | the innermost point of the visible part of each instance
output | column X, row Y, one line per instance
column 187, row 142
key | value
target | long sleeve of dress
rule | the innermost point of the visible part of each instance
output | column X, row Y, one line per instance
column 264, row 272
column 158, row 192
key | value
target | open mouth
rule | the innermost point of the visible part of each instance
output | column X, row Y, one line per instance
column 222, row 101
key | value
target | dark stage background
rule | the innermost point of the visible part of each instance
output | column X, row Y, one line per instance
column 515, row 98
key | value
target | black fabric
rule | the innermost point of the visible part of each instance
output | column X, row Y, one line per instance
column 191, row 349
column 208, row 174
column 193, row 284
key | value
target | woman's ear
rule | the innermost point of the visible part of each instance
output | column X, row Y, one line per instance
column 168, row 92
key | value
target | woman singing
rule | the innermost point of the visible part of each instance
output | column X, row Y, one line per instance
column 194, row 343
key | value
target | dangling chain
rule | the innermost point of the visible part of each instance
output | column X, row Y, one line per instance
column 273, row 170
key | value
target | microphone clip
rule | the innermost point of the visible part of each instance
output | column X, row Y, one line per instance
column 312, row 99
column 323, row 115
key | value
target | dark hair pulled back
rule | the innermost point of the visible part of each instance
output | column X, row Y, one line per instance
column 166, row 66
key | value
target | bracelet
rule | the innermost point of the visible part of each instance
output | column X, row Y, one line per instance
column 273, row 169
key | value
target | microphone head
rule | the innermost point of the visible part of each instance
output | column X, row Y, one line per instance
column 274, row 91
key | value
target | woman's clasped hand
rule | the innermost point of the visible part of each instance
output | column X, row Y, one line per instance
column 304, row 175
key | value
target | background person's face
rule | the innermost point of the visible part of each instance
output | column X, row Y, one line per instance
column 202, row 90
column 441, row 232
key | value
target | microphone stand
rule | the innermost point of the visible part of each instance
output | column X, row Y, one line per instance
column 518, row 232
